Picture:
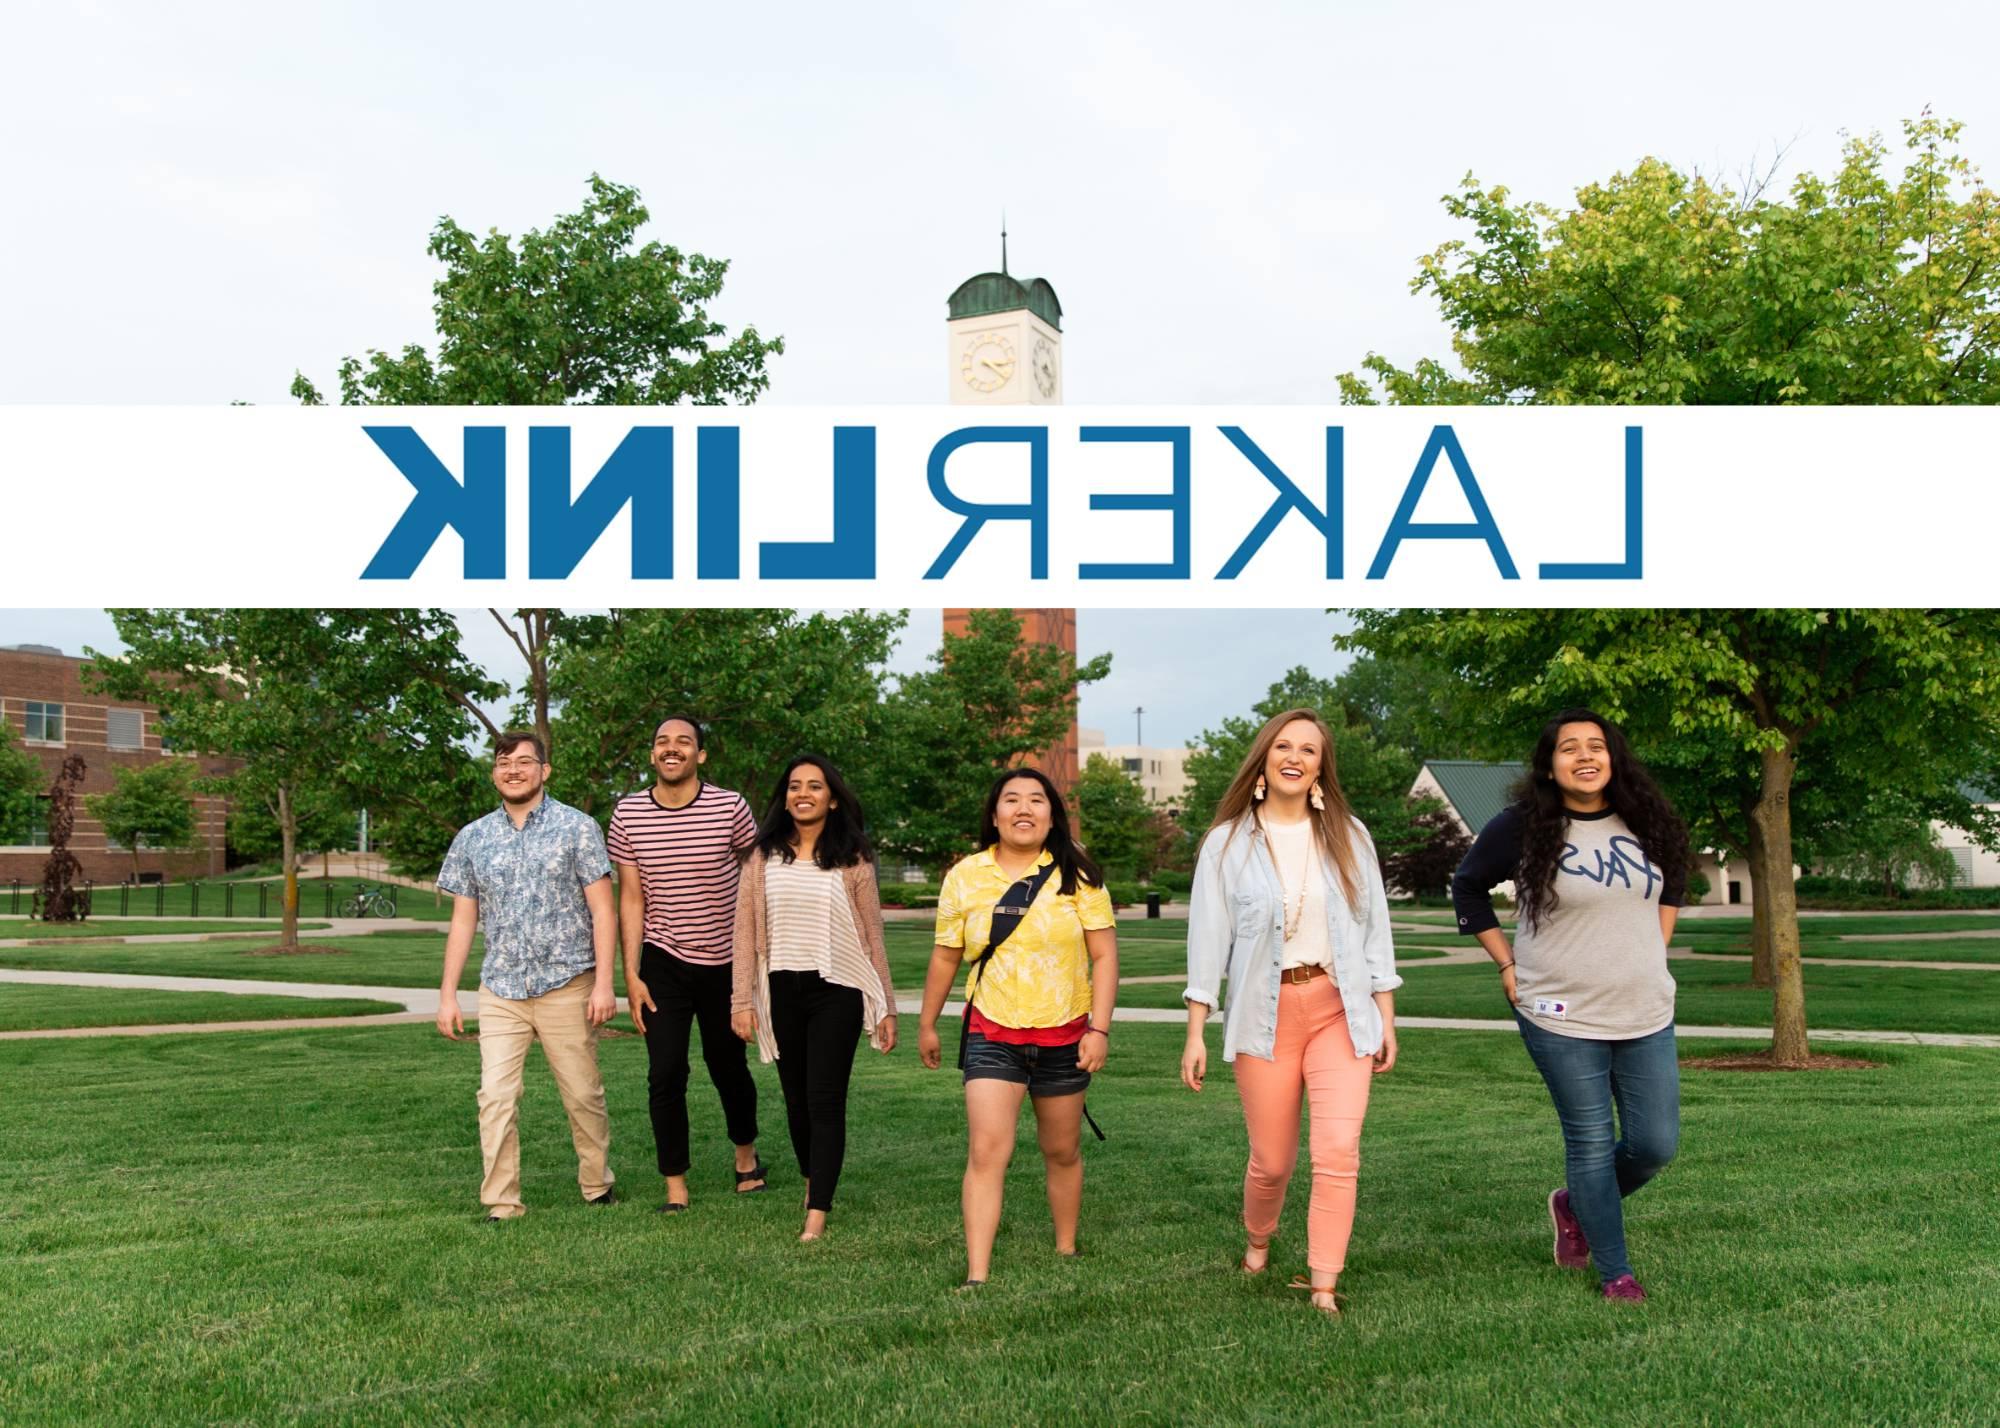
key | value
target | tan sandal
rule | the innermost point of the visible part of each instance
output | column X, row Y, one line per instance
column 1265, row 1248
column 1332, row 1306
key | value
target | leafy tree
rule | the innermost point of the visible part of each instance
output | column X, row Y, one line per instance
column 310, row 704
column 1662, row 287
column 577, row 312
column 151, row 804
column 1116, row 820
column 21, row 779
column 1423, row 864
column 328, row 820
column 1893, row 700
column 1411, row 706
column 1375, row 776
column 767, row 684
column 989, row 702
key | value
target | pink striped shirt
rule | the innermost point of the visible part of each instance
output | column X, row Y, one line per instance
column 686, row 858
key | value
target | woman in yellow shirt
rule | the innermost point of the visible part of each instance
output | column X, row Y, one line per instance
column 1031, row 909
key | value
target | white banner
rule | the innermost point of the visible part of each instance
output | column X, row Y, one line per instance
column 1068, row 506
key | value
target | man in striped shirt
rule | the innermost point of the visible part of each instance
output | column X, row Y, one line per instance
column 678, row 848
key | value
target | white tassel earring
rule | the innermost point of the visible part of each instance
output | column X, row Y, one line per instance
column 1318, row 798
column 1258, row 792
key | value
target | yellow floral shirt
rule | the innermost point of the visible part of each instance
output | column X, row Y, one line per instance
column 1041, row 974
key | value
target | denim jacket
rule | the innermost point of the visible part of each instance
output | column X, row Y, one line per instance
column 1236, row 928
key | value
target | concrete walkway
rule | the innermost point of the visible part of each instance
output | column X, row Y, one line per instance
column 421, row 1006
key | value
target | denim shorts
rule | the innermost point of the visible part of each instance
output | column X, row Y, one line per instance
column 1044, row 1070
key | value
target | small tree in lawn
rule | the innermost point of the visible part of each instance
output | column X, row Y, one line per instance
column 1116, row 820
column 152, row 805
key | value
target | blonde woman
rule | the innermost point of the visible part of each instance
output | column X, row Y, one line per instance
column 1288, row 905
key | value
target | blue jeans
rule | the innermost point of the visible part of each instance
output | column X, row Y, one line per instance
column 1586, row 1079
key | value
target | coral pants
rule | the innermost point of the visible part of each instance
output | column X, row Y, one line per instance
column 1314, row 1056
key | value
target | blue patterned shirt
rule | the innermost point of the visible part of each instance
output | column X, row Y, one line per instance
column 529, row 882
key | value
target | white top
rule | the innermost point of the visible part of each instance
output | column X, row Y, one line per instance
column 1298, row 857
column 799, row 897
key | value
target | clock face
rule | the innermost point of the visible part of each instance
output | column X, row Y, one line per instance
column 988, row 364
column 1045, row 366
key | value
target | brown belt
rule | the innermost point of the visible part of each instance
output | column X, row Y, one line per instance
column 1302, row 974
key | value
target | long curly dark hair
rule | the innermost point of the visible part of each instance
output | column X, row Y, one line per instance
column 1632, row 794
column 1071, row 861
column 843, row 841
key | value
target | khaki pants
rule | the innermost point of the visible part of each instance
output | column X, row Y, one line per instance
column 506, row 1029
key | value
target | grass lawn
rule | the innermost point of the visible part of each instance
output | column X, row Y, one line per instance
column 263, row 1228
column 383, row 959
column 33, row 1008
column 133, row 927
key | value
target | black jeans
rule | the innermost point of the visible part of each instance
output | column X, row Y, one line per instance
column 817, row 1025
column 683, row 994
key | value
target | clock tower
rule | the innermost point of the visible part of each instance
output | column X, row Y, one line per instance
column 1003, row 340
column 1003, row 347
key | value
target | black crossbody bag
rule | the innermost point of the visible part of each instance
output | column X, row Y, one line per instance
column 1007, row 915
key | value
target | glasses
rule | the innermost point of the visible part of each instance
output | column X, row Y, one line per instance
column 517, row 763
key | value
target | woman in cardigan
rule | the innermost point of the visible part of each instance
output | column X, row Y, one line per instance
column 1031, row 910
column 1288, row 904
column 811, row 971
column 1598, row 859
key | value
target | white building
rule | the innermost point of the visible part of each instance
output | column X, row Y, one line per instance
column 1161, row 773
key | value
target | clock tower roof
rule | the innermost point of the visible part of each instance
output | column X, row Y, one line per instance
column 1003, row 292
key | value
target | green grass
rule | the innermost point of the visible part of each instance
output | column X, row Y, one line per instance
column 133, row 927
column 383, row 959
column 37, row 1008
column 283, row 1228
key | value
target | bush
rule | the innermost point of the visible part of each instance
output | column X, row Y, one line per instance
column 1697, row 886
column 909, row 894
column 1167, row 880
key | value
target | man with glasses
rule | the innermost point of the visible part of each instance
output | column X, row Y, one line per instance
column 534, row 877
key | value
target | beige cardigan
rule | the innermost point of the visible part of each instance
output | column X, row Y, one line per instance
column 751, row 961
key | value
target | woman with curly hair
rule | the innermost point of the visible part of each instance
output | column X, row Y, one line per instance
column 1598, row 858
column 1288, row 905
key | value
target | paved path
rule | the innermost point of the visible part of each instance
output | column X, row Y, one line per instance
column 421, row 1006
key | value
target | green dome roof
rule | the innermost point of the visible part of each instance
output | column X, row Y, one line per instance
column 1003, row 292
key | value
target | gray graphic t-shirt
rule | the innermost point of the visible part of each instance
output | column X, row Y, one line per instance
column 1596, row 966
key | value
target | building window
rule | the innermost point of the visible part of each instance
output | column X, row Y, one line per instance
column 45, row 722
column 1134, row 765
column 125, row 729
column 24, row 822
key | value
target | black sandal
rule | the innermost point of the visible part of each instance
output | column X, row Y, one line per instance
column 756, row 1172
column 672, row 1207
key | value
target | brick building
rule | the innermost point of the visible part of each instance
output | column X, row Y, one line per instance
column 51, row 715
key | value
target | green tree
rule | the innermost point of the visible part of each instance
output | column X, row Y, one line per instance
column 151, row 804
column 1895, row 700
column 988, row 701
column 1116, row 820
column 309, row 703
column 577, row 312
column 1374, row 775
column 1422, row 866
column 1411, row 706
column 1661, row 287
column 21, row 779
column 328, row 820
column 767, row 684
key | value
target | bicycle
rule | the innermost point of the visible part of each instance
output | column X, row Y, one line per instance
column 370, row 902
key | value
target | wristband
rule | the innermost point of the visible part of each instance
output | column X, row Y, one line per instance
column 1503, row 966
column 1099, row 1030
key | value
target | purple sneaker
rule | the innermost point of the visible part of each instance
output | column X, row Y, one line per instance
column 1572, row 1250
column 1624, row 1287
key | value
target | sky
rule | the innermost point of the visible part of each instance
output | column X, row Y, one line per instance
column 1230, row 206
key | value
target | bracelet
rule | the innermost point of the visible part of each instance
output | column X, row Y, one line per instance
column 1099, row 1030
column 1503, row 966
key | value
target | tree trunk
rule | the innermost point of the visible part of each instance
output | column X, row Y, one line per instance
column 1760, row 907
column 288, row 831
column 1773, row 820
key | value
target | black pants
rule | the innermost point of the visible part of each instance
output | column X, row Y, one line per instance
column 817, row 1024
column 683, row 994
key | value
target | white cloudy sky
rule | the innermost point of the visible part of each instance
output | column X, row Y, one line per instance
column 204, row 197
